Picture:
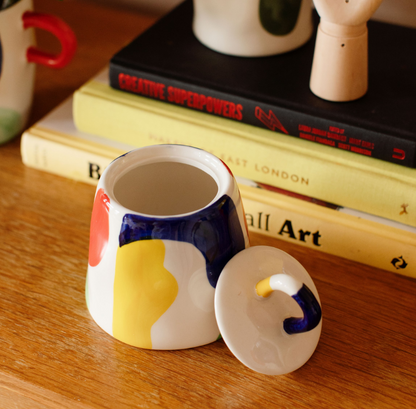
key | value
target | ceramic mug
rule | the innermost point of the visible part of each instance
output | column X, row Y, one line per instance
column 18, row 56
column 253, row 28
column 167, row 220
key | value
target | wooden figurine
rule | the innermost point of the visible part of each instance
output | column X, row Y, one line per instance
column 340, row 63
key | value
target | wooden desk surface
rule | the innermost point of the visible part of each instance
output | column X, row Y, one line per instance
column 52, row 354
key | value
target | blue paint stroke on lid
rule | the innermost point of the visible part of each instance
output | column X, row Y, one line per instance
column 311, row 310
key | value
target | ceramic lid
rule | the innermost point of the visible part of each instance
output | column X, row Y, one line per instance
column 278, row 331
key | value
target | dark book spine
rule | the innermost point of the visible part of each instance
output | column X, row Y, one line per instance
column 274, row 118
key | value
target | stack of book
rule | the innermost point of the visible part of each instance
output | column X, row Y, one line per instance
column 259, row 116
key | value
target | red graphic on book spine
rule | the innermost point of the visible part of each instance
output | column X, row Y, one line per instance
column 399, row 154
column 270, row 120
column 99, row 228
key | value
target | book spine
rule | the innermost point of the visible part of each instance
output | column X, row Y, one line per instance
column 385, row 190
column 361, row 141
column 330, row 231
column 268, row 213
column 63, row 160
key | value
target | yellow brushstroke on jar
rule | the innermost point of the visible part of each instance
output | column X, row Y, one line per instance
column 143, row 291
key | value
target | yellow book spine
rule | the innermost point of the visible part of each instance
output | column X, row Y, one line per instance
column 351, row 180
column 53, row 156
column 329, row 231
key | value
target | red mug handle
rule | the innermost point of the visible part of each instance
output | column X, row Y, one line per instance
column 57, row 27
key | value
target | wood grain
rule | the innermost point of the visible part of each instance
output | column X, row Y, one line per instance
column 53, row 355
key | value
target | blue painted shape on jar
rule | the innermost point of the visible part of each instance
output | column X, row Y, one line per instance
column 215, row 231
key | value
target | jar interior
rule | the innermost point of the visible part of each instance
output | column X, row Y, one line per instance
column 165, row 189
